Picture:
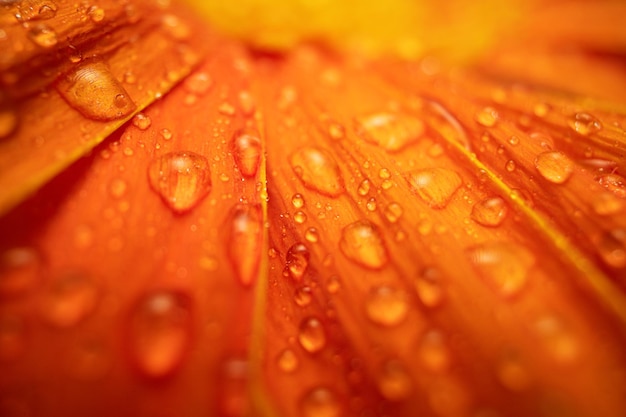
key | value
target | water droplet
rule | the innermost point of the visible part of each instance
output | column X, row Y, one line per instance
column 336, row 131
column 510, row 165
column 371, row 204
column 287, row 361
column 318, row 171
column 20, row 270
column 364, row 187
column 175, row 27
column 182, row 179
column 556, row 339
column 247, row 151
column 394, row 382
column 514, row 140
column 584, row 124
column 320, row 402
column 607, row 204
column 297, row 200
column 428, row 287
column 245, row 242
column 503, row 265
column 433, row 351
column 12, row 337
column 160, row 327
column 435, row 186
column 333, row 284
column 232, row 390
column 69, row 300
column 118, row 188
column 487, row 117
column 554, row 166
column 362, row 243
column 246, row 102
column 490, row 212
column 541, row 109
column 393, row 212
column 141, row 121
column 43, row 35
column 311, row 335
column 614, row 183
column 96, row 14
column 36, row 10
column 227, row 109
column 91, row 89
column 387, row 306
column 299, row 217
column 312, row 235
column 298, row 257
column 303, row 296
column 392, row 132
column 512, row 374
column 612, row 247
column 8, row 120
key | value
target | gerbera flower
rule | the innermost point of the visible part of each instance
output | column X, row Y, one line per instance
column 310, row 215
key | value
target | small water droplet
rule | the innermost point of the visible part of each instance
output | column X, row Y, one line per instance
column 175, row 27
column 69, row 300
column 287, row 361
column 299, row 217
column 303, row 296
column 182, row 179
column 20, row 270
column 392, row 132
column 160, row 326
column 393, row 212
column 371, row 204
column 487, row 117
column 512, row 374
column 333, row 284
column 510, row 165
column 490, row 212
column 12, row 337
column 541, row 109
column 118, row 188
column 232, row 389
column 387, row 306
column 227, row 109
column 612, row 247
column 433, row 351
column 584, row 124
column 141, row 121
column 428, row 287
column 311, row 335
column 435, row 186
column 245, row 242
column 503, row 265
column 43, row 35
column 554, row 166
column 514, row 140
column 320, row 402
column 556, row 339
column 247, row 151
column 364, row 187
column 336, row 131
column 614, row 183
column 607, row 204
column 96, row 14
column 297, row 200
column 246, row 102
column 312, row 235
column 91, row 89
column 394, row 382
column 362, row 243
column 8, row 120
column 297, row 261
column 318, row 171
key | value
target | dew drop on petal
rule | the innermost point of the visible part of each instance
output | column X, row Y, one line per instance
column 312, row 235
column 246, row 147
column 20, row 270
column 487, row 117
column 311, row 335
column 160, row 332
column 36, row 10
column 198, row 83
column 510, row 165
column 503, row 265
column 584, row 124
column 512, row 374
column 69, row 300
column 554, row 166
column 614, row 183
column 490, row 212
column 96, row 14
column 392, row 132
column 612, row 247
column 91, row 89
column 556, row 339
column 303, row 296
column 428, row 287
column 287, row 361
column 364, row 187
column 8, row 121
column 362, row 243
column 433, row 351
column 318, row 171
column 336, row 131
column 393, row 212
column 394, row 382
column 320, row 402
column 175, row 27
column 141, row 121
column 435, row 186
column 232, row 390
column 299, row 217
column 43, row 35
column 607, row 204
column 297, row 260
column 297, row 200
column 12, row 337
column 387, row 306
column 245, row 242
column 182, row 179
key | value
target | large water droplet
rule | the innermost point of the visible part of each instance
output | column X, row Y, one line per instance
column 160, row 332
column 394, row 382
column 20, row 270
column 320, row 402
column 318, row 171
column 245, row 242
column 247, row 152
column 362, row 243
column 182, row 179
column 387, row 306
column 585, row 124
column 43, row 35
column 554, row 166
column 287, row 361
column 69, row 300
column 91, row 89
column 428, row 287
column 503, row 265
column 297, row 260
column 435, row 186
column 311, row 335
column 490, row 212
column 392, row 132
